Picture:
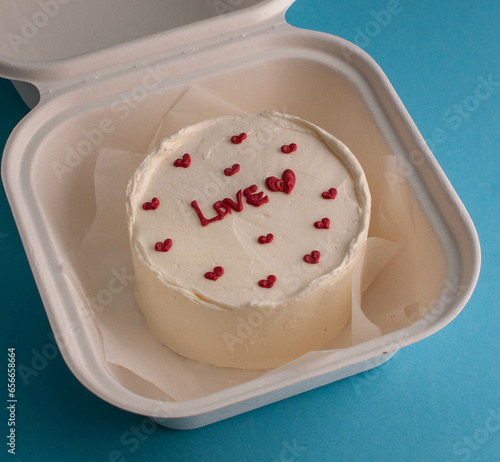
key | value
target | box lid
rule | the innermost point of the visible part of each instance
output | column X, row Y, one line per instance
column 52, row 43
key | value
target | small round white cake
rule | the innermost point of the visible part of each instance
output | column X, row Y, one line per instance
column 244, row 233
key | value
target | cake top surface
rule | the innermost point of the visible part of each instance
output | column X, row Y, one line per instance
column 249, row 210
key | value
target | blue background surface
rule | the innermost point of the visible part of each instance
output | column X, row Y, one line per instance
column 437, row 400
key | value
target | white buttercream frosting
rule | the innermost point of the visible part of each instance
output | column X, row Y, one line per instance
column 319, row 163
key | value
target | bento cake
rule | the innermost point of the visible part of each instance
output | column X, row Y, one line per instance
column 244, row 232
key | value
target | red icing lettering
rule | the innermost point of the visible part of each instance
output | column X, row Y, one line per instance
column 163, row 246
column 203, row 220
column 269, row 282
column 265, row 239
column 313, row 257
column 222, row 208
column 215, row 274
column 153, row 205
column 255, row 198
column 217, row 206
column 323, row 224
column 330, row 194
column 237, row 207
column 184, row 162
column 238, row 139
column 288, row 148
column 286, row 184
column 230, row 171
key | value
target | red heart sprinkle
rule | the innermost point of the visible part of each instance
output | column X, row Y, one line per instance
column 185, row 162
column 323, row 224
column 330, row 194
column 288, row 148
column 286, row 184
column 238, row 139
column 265, row 239
column 215, row 274
column 274, row 184
column 153, row 205
column 313, row 257
column 230, row 171
column 163, row 246
column 267, row 283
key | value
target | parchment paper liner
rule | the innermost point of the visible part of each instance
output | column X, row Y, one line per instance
column 386, row 286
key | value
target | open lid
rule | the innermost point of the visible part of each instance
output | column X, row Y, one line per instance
column 50, row 43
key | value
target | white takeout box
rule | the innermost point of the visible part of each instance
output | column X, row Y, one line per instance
column 78, row 57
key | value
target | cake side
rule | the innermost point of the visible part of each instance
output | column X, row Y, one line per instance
column 251, row 338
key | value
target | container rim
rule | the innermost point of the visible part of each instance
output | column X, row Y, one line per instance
column 51, row 74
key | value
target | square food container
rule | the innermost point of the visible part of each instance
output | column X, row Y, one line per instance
column 96, row 71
